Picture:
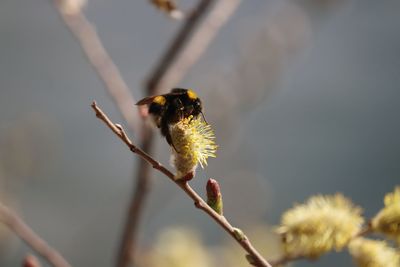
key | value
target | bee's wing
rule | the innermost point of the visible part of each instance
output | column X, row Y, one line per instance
column 146, row 100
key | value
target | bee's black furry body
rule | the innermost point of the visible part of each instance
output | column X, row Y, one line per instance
column 170, row 108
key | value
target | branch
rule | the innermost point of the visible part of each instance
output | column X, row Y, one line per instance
column 102, row 63
column 128, row 241
column 21, row 229
column 257, row 259
column 171, row 68
column 176, row 47
column 183, row 52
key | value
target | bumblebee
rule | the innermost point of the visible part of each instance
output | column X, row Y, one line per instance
column 172, row 107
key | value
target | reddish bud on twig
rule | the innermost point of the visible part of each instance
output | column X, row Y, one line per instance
column 214, row 197
column 31, row 261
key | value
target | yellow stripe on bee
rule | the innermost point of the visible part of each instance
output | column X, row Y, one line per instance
column 159, row 100
column 191, row 94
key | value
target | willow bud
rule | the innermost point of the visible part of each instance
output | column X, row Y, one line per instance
column 214, row 197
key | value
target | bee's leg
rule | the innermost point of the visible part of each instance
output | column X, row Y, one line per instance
column 204, row 118
column 169, row 140
column 180, row 108
column 165, row 131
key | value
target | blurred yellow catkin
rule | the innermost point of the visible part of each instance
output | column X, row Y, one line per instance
column 372, row 253
column 387, row 221
column 322, row 224
column 179, row 247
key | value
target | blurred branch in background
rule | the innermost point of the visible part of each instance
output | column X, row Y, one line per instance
column 175, row 49
column 172, row 67
column 269, row 45
column 71, row 12
column 185, row 49
column 84, row 32
column 127, row 249
column 254, row 257
column 21, row 229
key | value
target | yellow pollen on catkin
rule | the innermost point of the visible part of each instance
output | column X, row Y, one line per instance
column 194, row 143
column 387, row 221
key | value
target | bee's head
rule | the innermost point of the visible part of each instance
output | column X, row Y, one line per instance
column 196, row 106
column 194, row 103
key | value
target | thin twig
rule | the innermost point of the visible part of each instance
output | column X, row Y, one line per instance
column 21, row 229
column 364, row 231
column 199, row 202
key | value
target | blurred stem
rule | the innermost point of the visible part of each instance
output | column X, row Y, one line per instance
column 175, row 48
column 127, row 249
column 184, row 50
column 21, row 229
column 115, row 85
column 184, row 185
column 190, row 44
column 102, row 63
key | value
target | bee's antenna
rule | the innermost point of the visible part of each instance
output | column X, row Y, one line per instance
column 204, row 118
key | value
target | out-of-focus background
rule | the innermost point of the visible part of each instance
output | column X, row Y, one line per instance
column 303, row 96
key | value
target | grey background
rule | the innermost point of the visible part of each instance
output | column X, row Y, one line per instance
column 303, row 95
